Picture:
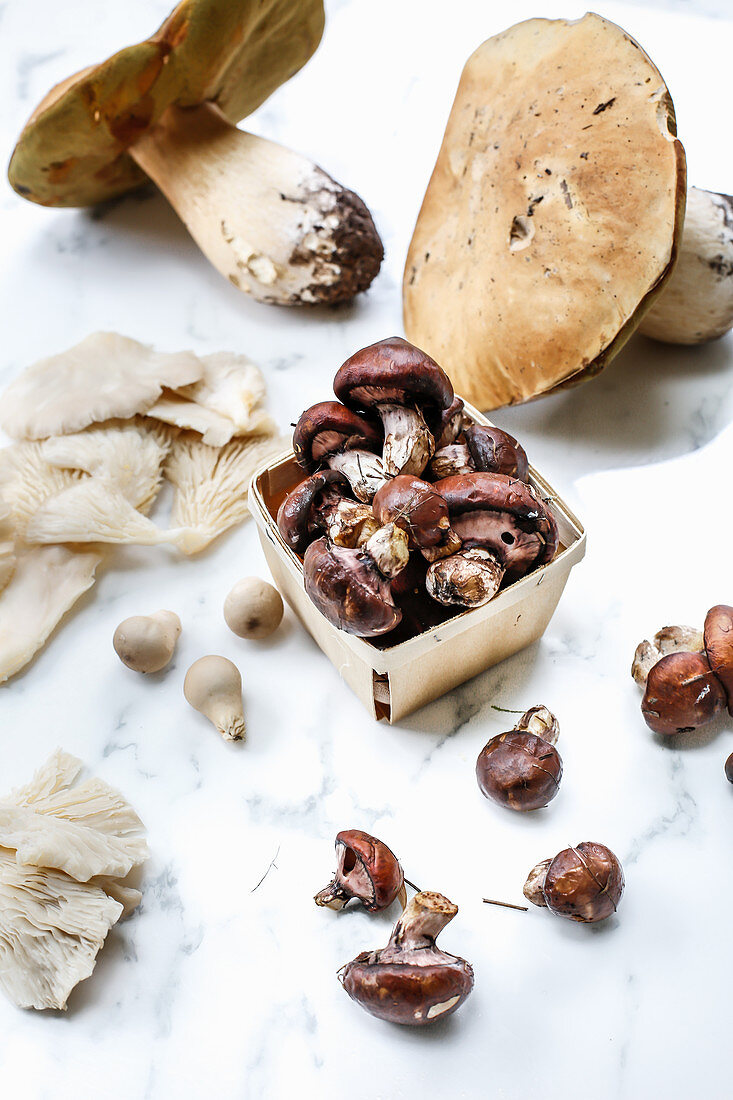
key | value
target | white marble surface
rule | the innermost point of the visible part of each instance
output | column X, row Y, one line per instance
column 215, row 990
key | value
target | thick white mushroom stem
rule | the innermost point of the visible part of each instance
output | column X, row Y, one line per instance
column 422, row 921
column 533, row 887
column 450, row 460
column 408, row 442
column 272, row 222
column 363, row 470
column 469, row 579
column 541, row 722
column 349, row 523
column 696, row 305
column 389, row 550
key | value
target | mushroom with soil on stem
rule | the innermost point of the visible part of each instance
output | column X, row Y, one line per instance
column 329, row 434
column 146, row 643
column 319, row 505
column 584, row 883
column 505, row 529
column 213, row 686
column 417, row 507
column 253, row 609
column 366, row 869
column 411, row 981
column 522, row 769
column 351, row 588
column 272, row 222
column 409, row 392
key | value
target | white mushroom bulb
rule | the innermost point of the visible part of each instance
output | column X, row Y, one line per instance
column 213, row 686
column 696, row 305
column 253, row 609
column 145, row 643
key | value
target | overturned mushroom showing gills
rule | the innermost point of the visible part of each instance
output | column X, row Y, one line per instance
column 145, row 643
column 697, row 303
column 584, row 883
column 213, row 686
column 411, row 980
column 272, row 222
column 366, row 869
column 553, row 214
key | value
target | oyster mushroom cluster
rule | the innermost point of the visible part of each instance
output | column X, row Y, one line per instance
column 405, row 493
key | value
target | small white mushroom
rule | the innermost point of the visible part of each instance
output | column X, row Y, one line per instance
column 145, row 643
column 253, row 609
column 696, row 305
column 213, row 686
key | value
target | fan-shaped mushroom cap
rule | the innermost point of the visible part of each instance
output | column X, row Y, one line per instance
column 234, row 53
column 348, row 590
column 328, row 428
column 718, row 636
column 393, row 371
column 7, row 545
column 496, row 451
column 553, row 213
column 103, row 377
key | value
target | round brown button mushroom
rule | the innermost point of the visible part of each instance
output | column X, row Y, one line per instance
column 553, row 215
column 319, row 505
column 522, row 769
column 584, row 883
column 419, row 508
column 718, row 638
column 411, row 980
column 366, row 869
column 681, row 694
column 272, row 222
column 329, row 434
column 404, row 386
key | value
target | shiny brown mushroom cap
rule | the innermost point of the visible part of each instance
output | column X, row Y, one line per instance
column 718, row 636
column 329, row 427
column 297, row 516
column 681, row 694
column 415, row 505
column 451, row 424
column 348, row 590
column 519, row 770
column 366, row 869
column 496, row 451
column 392, row 371
column 584, row 883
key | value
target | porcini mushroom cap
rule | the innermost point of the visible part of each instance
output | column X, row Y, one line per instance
column 348, row 590
column 233, row 53
column 553, row 213
column 393, row 371
column 328, row 427
column 682, row 692
column 718, row 635
column 519, row 770
column 584, row 883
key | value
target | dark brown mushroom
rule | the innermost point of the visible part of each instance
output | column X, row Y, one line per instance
column 729, row 768
column 351, row 588
column 366, row 869
column 485, row 447
column 669, row 639
column 584, row 883
column 407, row 389
column 451, row 424
column 419, row 508
column 718, row 637
column 411, row 981
column 681, row 694
column 329, row 434
column 522, row 769
column 318, row 505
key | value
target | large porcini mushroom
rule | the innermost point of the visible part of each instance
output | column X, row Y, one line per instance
column 418, row 507
column 366, row 869
column 408, row 390
column 331, row 435
column 505, row 530
column 584, row 883
column 318, row 506
column 273, row 223
column 553, row 214
column 411, row 981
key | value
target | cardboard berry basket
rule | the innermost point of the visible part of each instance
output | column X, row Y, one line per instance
column 394, row 680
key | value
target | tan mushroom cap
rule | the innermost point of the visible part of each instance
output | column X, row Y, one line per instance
column 234, row 53
column 553, row 213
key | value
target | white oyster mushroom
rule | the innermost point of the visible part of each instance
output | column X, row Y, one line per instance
column 7, row 545
column 27, row 481
column 105, row 376
column 214, row 429
column 47, row 582
column 51, row 931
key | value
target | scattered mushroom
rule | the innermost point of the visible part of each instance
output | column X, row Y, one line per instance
column 522, row 769
column 554, row 212
column 253, row 609
column 213, row 686
column 366, row 869
column 411, row 980
column 584, row 883
column 145, row 643
column 330, row 434
column 272, row 222
column 317, row 506
column 729, row 768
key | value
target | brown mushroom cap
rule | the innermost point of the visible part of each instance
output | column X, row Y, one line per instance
column 584, row 883
column 297, row 516
column 348, row 590
column 233, row 53
column 451, row 424
column 519, row 770
column 681, row 693
column 553, row 214
column 365, row 869
column 496, row 451
column 392, row 371
column 501, row 514
column 415, row 505
column 329, row 427
column 718, row 635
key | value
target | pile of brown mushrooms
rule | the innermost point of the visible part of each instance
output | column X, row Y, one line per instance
column 405, row 493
